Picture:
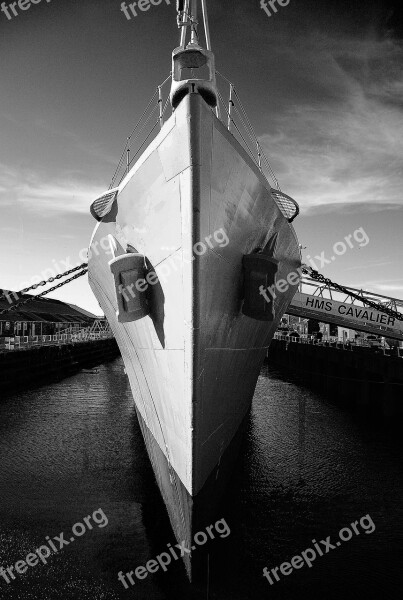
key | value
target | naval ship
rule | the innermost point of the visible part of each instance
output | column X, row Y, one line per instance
column 182, row 255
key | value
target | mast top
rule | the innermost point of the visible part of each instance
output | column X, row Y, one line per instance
column 187, row 18
column 193, row 56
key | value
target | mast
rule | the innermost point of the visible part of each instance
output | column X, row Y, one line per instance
column 187, row 18
column 183, row 9
column 206, row 25
column 192, row 56
column 193, row 30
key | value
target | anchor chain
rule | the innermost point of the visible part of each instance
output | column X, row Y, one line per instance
column 375, row 305
column 82, row 271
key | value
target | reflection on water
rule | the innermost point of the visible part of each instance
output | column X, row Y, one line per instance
column 307, row 469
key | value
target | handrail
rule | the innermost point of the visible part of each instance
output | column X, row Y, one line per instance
column 16, row 343
column 242, row 125
column 133, row 143
column 237, row 122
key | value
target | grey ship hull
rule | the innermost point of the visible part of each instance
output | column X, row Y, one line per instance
column 193, row 365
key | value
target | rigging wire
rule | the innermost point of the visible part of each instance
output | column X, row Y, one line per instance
column 251, row 131
column 375, row 305
column 137, row 131
column 55, row 287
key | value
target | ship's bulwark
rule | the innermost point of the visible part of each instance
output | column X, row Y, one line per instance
column 193, row 364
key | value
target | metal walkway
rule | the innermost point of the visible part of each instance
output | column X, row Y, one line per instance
column 326, row 304
column 99, row 330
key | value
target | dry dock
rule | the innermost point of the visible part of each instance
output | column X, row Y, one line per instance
column 26, row 367
column 371, row 378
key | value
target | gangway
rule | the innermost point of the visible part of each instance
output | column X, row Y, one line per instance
column 99, row 329
column 325, row 303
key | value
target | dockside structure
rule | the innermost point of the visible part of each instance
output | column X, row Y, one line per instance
column 44, row 316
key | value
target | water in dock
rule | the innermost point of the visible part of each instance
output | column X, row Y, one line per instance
column 308, row 468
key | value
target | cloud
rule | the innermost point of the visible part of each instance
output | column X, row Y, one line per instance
column 350, row 209
column 389, row 288
column 336, row 138
column 386, row 286
column 35, row 192
column 381, row 263
column 74, row 140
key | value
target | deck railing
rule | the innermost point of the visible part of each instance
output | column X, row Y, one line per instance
column 17, row 342
column 334, row 342
column 231, row 112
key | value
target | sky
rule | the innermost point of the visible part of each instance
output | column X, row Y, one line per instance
column 322, row 83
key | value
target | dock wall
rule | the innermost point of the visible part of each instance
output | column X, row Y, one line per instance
column 370, row 379
column 24, row 368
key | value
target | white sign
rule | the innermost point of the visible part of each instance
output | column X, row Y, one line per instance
column 351, row 312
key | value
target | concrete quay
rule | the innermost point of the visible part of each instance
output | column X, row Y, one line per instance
column 370, row 378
